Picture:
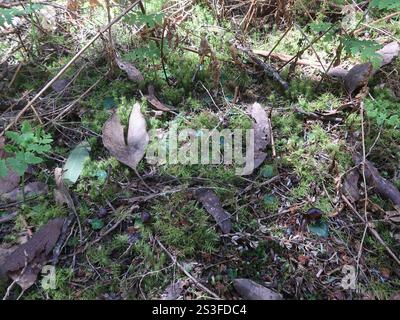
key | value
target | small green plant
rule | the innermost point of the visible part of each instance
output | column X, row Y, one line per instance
column 8, row 14
column 26, row 148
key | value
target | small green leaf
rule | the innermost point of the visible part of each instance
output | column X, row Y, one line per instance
column 109, row 103
column 30, row 158
column 75, row 162
column 269, row 199
column 18, row 165
column 96, row 224
column 3, row 168
column 320, row 228
column 268, row 171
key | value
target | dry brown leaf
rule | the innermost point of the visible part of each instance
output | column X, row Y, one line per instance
column 31, row 189
column 132, row 72
column 173, row 291
column 262, row 136
column 133, row 151
column 211, row 203
column 251, row 290
column 74, row 5
column 32, row 255
column 154, row 101
column 357, row 77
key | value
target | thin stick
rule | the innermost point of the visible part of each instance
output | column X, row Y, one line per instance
column 279, row 41
column 376, row 21
column 61, row 72
column 372, row 231
column 182, row 268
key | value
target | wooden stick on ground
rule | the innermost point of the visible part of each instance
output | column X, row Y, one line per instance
column 182, row 268
column 61, row 72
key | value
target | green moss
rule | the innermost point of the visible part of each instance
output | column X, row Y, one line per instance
column 325, row 102
column 182, row 224
column 41, row 213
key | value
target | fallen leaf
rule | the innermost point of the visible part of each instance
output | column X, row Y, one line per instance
column 380, row 185
column 350, row 186
column 320, row 228
column 389, row 52
column 211, row 203
column 31, row 189
column 60, row 84
column 262, row 137
column 173, row 291
column 132, row 72
column 74, row 165
column 61, row 193
column 32, row 255
column 393, row 216
column 251, row 290
column 357, row 77
column 152, row 99
column 132, row 152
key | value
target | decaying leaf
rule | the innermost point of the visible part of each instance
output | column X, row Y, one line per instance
column 132, row 72
column 154, row 101
column 211, row 203
column 132, row 152
column 31, row 189
column 380, row 185
column 394, row 216
column 32, row 255
column 357, row 77
column 251, row 290
column 60, row 84
column 173, row 291
column 61, row 193
column 389, row 52
column 11, row 180
column 350, row 185
column 262, row 136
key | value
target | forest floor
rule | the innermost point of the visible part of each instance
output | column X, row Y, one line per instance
column 137, row 234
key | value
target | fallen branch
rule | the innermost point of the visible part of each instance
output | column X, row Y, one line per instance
column 268, row 69
column 286, row 57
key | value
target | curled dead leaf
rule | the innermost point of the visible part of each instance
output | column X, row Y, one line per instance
column 133, row 151
column 152, row 99
column 132, row 72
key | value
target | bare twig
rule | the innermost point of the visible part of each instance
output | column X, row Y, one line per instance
column 61, row 72
column 182, row 268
